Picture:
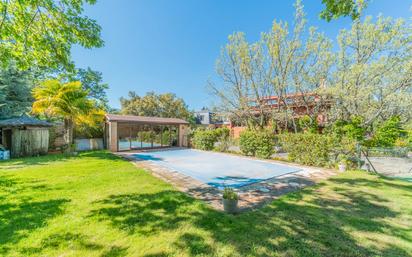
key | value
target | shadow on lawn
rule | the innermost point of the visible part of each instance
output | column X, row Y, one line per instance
column 21, row 217
column 317, row 227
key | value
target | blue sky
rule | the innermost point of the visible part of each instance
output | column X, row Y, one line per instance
column 172, row 46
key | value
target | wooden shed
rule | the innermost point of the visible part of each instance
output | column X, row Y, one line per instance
column 25, row 136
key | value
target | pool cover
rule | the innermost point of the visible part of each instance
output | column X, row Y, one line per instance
column 217, row 169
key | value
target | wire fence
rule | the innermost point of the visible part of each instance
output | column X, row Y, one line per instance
column 394, row 161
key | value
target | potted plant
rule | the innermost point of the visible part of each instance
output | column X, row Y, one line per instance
column 230, row 200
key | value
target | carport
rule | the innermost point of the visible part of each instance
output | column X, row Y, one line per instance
column 129, row 132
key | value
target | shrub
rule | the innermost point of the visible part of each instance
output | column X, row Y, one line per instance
column 387, row 134
column 307, row 148
column 265, row 144
column 352, row 129
column 257, row 143
column 204, row 139
column 248, row 142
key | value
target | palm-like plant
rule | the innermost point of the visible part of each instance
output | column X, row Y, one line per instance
column 67, row 101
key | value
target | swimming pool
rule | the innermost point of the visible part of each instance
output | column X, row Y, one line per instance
column 217, row 169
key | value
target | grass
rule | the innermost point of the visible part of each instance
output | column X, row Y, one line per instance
column 99, row 205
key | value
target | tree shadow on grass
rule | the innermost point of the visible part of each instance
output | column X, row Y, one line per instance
column 63, row 240
column 317, row 226
column 23, row 217
column 23, row 214
column 144, row 213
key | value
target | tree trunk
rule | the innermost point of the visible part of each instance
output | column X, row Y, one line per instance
column 68, row 136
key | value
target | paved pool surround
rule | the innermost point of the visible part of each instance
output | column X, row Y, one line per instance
column 251, row 195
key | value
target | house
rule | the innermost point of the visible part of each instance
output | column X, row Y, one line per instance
column 208, row 118
column 297, row 105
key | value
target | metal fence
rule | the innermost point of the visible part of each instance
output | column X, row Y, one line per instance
column 388, row 161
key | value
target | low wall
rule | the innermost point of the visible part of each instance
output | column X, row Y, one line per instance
column 89, row 144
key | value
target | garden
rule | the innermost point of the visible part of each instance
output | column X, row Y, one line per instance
column 97, row 204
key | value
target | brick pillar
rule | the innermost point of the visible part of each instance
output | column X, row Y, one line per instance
column 183, row 131
column 113, row 146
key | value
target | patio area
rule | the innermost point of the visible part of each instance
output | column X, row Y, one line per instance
column 200, row 174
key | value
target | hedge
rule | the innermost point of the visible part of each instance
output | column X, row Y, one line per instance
column 257, row 143
column 317, row 149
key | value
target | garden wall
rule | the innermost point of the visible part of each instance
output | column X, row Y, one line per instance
column 89, row 144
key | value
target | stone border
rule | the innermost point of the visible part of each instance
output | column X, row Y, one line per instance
column 250, row 196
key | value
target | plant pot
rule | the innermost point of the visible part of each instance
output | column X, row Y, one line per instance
column 230, row 205
column 342, row 167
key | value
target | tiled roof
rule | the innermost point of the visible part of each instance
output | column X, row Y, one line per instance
column 24, row 120
column 144, row 119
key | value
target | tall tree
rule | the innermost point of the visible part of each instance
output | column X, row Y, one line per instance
column 67, row 101
column 15, row 91
column 92, row 82
column 342, row 8
column 373, row 74
column 281, row 63
column 41, row 32
column 158, row 105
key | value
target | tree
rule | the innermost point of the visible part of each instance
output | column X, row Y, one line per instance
column 158, row 105
column 92, row 82
column 372, row 78
column 281, row 63
column 338, row 8
column 67, row 101
column 15, row 92
column 41, row 32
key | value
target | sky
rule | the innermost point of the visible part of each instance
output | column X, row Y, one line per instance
column 172, row 45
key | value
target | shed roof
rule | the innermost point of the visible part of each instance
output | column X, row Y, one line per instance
column 144, row 119
column 24, row 120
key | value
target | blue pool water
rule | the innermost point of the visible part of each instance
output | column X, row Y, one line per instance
column 217, row 169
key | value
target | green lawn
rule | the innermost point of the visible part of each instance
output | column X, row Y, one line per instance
column 99, row 205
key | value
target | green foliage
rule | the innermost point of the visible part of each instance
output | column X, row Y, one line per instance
column 265, row 144
column 342, row 8
column 223, row 139
column 248, row 142
column 66, row 101
column 92, row 82
column 42, row 32
column 15, row 92
column 388, row 132
column 110, row 200
column 230, row 194
column 307, row 148
column 257, row 143
column 158, row 105
column 204, row 139
column 352, row 129
column 317, row 149
column 308, row 125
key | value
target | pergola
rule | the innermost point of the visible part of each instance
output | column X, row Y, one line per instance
column 129, row 132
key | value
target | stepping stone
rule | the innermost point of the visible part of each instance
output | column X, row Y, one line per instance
column 263, row 189
column 294, row 184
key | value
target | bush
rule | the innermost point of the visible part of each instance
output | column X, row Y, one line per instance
column 387, row 134
column 307, row 148
column 317, row 149
column 204, row 139
column 257, row 143
column 248, row 142
column 265, row 144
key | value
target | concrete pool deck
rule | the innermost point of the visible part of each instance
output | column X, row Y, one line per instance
column 250, row 196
